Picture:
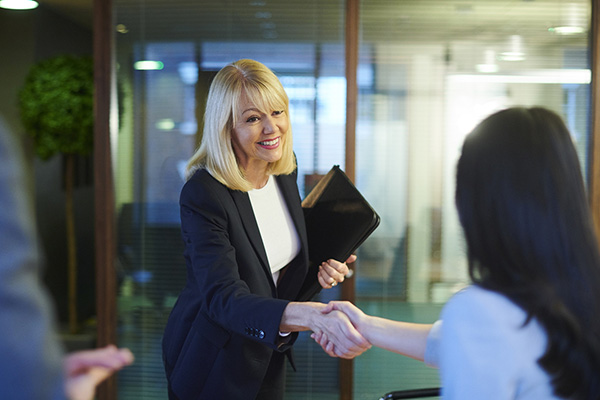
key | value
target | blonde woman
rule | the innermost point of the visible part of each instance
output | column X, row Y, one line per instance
column 245, row 250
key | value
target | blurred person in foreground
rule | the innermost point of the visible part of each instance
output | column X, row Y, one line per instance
column 528, row 326
column 32, row 362
column 246, row 251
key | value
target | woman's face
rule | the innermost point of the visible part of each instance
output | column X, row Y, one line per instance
column 258, row 136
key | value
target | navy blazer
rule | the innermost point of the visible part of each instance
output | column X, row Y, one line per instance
column 224, row 328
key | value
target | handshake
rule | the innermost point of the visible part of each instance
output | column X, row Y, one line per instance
column 339, row 327
column 342, row 329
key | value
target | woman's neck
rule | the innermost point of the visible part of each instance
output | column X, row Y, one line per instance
column 257, row 177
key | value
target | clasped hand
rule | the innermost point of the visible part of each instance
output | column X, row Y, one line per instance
column 336, row 338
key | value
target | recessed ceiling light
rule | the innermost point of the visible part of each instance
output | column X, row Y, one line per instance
column 148, row 65
column 567, row 30
column 166, row 124
column 512, row 56
column 487, row 68
column 489, row 65
column 18, row 4
column 515, row 49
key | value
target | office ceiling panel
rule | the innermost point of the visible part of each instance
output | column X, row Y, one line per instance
column 300, row 20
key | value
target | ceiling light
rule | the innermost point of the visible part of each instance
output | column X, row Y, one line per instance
column 573, row 19
column 166, row 124
column 18, row 4
column 487, row 68
column 515, row 49
column 148, row 65
column 567, row 30
column 512, row 56
column 489, row 65
column 545, row 76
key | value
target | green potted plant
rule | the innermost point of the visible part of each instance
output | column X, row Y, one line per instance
column 56, row 105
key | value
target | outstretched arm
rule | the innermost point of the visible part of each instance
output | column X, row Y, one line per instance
column 303, row 316
column 408, row 339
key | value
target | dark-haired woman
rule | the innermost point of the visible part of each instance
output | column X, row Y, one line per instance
column 529, row 326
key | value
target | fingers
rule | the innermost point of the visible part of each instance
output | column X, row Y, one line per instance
column 109, row 357
column 324, row 280
column 344, row 340
column 354, row 313
column 332, row 272
column 334, row 305
column 327, row 345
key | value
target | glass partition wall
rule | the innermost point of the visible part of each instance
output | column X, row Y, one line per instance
column 167, row 53
column 428, row 72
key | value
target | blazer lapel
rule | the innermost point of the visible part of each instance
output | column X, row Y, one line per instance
column 288, row 186
column 293, row 278
column 242, row 202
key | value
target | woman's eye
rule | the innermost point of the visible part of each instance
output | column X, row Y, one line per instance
column 252, row 119
column 278, row 112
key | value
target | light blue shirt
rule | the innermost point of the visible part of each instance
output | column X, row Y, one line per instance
column 30, row 354
column 484, row 351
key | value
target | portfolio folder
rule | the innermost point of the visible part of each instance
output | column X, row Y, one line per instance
column 338, row 220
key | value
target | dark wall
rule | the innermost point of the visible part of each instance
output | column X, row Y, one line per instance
column 25, row 38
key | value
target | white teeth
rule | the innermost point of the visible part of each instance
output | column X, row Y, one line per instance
column 269, row 142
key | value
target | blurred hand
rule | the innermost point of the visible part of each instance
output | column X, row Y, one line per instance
column 338, row 337
column 332, row 272
column 84, row 370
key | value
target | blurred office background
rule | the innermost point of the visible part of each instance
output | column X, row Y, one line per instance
column 427, row 72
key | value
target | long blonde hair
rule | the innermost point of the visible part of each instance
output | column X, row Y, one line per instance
column 215, row 152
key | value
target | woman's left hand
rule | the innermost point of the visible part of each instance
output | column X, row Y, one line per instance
column 332, row 272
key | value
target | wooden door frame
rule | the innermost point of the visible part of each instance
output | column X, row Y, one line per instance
column 352, row 18
column 594, row 153
column 104, row 198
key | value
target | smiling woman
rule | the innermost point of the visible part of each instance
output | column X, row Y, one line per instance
column 246, row 251
column 258, row 139
column 252, row 101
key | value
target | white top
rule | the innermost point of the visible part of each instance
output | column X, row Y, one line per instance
column 276, row 227
column 484, row 351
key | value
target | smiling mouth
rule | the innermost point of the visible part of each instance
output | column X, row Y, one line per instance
column 269, row 143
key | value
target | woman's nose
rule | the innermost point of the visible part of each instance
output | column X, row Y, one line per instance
column 269, row 125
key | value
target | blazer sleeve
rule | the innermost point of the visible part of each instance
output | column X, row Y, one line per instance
column 222, row 264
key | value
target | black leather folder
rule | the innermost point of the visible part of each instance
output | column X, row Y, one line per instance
column 338, row 220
